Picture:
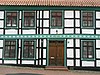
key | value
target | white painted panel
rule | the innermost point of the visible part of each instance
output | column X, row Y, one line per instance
column 19, row 53
column 18, row 61
column 87, row 31
column 1, row 23
column 20, row 16
column 69, row 14
column 70, row 53
column 70, row 43
column 44, row 62
column 40, row 14
column 77, row 14
column 77, row 30
column 9, row 61
column 97, row 15
column 69, row 23
column 40, row 31
column 97, row 24
column 46, row 14
column 27, row 62
column 98, row 63
column 1, row 43
column 98, row 31
column 19, row 31
column 0, row 61
column 97, row 53
column 77, row 62
column 77, row 43
column 40, row 53
column 1, row 31
column 36, row 53
column 44, row 53
column 88, row 63
column 70, row 62
column 97, row 43
column 77, row 23
column 19, row 43
column 53, row 31
column 37, row 14
column 39, row 62
column 36, row 43
column 45, row 31
column 0, row 53
column 77, row 53
column 1, row 14
column 69, row 31
column 11, row 31
column 28, row 31
column 39, row 24
column 36, row 62
column 45, row 23
column 44, row 43
column 19, row 23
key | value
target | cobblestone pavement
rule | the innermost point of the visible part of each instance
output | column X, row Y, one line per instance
column 35, row 71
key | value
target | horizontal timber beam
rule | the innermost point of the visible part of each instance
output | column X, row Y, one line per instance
column 51, row 36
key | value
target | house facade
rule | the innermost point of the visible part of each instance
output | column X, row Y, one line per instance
column 50, row 33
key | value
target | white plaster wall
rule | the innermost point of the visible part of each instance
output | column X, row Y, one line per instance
column 88, row 63
column 0, row 53
column 98, row 31
column 70, row 62
column 77, row 62
column 45, row 23
column 46, row 14
column 39, row 62
column 97, row 43
column 11, row 31
column 44, row 53
column 77, row 43
column 53, row 31
column 44, row 43
column 18, row 61
column 69, row 14
column 1, row 31
column 1, row 14
column 0, row 61
column 97, row 15
column 70, row 53
column 19, row 53
column 40, row 53
column 27, row 62
column 36, row 62
column 45, row 31
column 98, row 63
column 69, row 30
column 77, row 14
column 1, row 43
column 9, row 61
column 20, row 23
column 20, row 15
column 97, row 24
column 36, row 53
column 19, row 43
column 28, row 31
column 38, row 14
column 77, row 53
column 44, row 62
column 77, row 23
column 70, row 43
column 69, row 23
column 1, row 23
column 97, row 53
column 87, row 31
column 77, row 30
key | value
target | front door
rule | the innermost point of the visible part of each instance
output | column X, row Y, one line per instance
column 56, row 53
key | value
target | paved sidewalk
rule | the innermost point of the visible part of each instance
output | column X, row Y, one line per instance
column 6, row 70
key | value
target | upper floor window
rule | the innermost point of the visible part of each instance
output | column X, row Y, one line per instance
column 28, row 50
column 88, row 49
column 29, row 19
column 56, row 19
column 87, row 19
column 11, row 20
column 10, row 49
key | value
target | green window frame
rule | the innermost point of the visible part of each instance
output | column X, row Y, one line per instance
column 88, row 19
column 29, row 19
column 88, row 49
column 10, row 49
column 56, row 19
column 28, row 49
column 11, row 19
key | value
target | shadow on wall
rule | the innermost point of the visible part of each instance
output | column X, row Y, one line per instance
column 24, row 74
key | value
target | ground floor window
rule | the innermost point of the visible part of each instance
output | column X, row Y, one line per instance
column 28, row 49
column 10, row 49
column 88, row 49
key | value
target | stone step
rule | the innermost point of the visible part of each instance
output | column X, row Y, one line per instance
column 57, row 68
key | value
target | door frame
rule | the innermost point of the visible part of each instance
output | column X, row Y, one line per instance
column 65, row 51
